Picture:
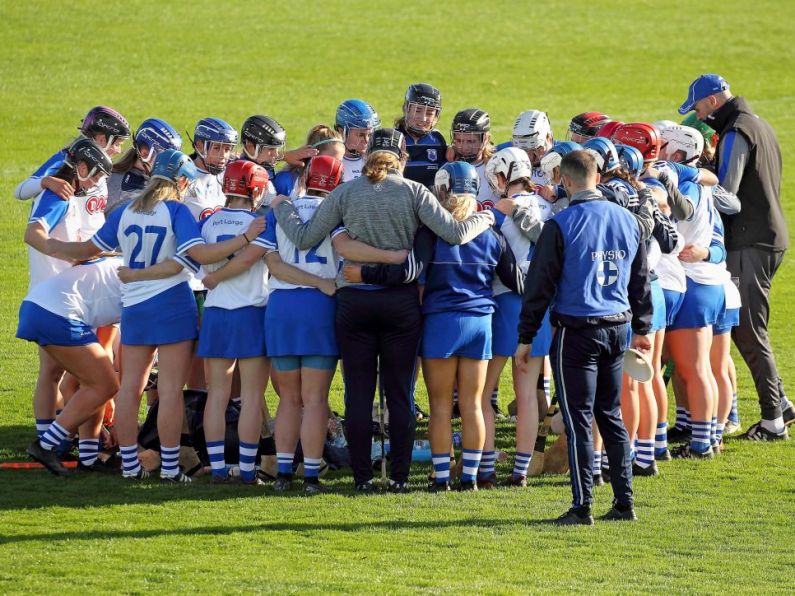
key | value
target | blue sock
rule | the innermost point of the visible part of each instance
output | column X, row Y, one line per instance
column 494, row 396
column 248, row 455
column 713, row 430
column 42, row 424
column 645, row 453
column 441, row 467
column 311, row 468
column 520, row 464
column 605, row 462
column 284, row 462
column 455, row 396
column 719, row 433
column 661, row 438
column 487, row 461
column 597, row 462
column 89, row 450
column 471, row 459
column 547, row 383
column 215, row 450
column 699, row 441
column 169, row 461
column 129, row 458
column 682, row 418
column 734, row 414
column 53, row 437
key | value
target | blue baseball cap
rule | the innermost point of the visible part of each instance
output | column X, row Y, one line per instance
column 703, row 86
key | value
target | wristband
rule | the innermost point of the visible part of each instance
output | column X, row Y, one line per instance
column 246, row 238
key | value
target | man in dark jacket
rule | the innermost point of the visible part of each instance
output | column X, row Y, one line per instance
column 749, row 165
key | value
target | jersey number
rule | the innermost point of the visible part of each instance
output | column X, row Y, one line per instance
column 311, row 255
column 158, row 231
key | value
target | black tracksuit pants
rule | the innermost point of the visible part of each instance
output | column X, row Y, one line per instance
column 587, row 364
column 379, row 325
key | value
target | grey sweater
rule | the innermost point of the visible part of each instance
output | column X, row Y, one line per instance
column 384, row 215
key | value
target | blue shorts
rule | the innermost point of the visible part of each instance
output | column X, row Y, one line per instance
column 542, row 342
column 39, row 325
column 168, row 318
column 505, row 324
column 232, row 333
column 291, row 363
column 727, row 319
column 701, row 306
column 673, row 302
column 447, row 334
column 658, row 318
column 300, row 322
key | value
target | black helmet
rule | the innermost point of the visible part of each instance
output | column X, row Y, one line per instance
column 471, row 120
column 107, row 121
column 387, row 139
column 88, row 152
column 424, row 94
column 264, row 131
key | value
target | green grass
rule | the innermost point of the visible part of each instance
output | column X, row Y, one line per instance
column 705, row 526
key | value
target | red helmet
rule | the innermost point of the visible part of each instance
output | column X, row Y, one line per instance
column 588, row 124
column 324, row 173
column 243, row 177
column 608, row 128
column 643, row 136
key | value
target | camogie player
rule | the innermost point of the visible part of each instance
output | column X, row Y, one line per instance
column 232, row 305
column 157, row 314
column 131, row 172
column 103, row 125
column 585, row 126
column 471, row 142
column 355, row 120
column 324, row 141
column 425, row 145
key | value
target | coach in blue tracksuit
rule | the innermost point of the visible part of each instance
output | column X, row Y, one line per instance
column 589, row 268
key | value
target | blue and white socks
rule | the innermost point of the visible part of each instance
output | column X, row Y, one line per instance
column 42, row 424
column 596, row 470
column 53, row 436
column 248, row 456
column 89, row 450
column 682, row 418
column 169, row 461
column 520, row 464
column 441, row 467
column 215, row 450
column 311, row 469
column 661, row 438
column 487, row 462
column 700, row 439
column 131, row 465
column 644, row 452
column 734, row 414
column 284, row 462
column 471, row 461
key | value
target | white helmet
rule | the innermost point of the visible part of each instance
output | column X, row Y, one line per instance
column 661, row 125
column 512, row 163
column 531, row 129
column 682, row 138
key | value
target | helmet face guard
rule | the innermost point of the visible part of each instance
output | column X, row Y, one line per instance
column 88, row 152
column 468, row 145
column 355, row 114
column 420, row 118
column 263, row 132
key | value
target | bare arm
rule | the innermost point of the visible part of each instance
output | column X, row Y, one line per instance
column 164, row 270
column 440, row 222
column 293, row 275
column 36, row 237
column 242, row 262
column 354, row 250
column 305, row 235
column 205, row 254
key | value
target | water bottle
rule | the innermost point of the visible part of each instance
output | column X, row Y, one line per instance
column 375, row 450
column 421, row 451
column 458, row 441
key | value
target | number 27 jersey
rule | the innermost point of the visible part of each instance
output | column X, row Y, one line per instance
column 320, row 260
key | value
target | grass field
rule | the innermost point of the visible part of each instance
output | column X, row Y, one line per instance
column 704, row 527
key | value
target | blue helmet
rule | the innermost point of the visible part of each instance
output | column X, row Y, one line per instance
column 630, row 158
column 355, row 113
column 605, row 151
column 156, row 135
column 213, row 130
column 171, row 165
column 554, row 156
column 457, row 177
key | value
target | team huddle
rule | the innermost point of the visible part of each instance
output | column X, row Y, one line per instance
column 389, row 249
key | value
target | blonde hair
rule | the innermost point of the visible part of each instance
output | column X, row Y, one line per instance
column 460, row 205
column 156, row 191
column 320, row 133
column 378, row 165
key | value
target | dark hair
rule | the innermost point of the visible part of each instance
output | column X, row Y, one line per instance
column 621, row 172
column 579, row 165
column 126, row 162
column 68, row 173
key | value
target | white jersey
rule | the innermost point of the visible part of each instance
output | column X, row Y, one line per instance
column 204, row 197
column 90, row 293
column 519, row 243
column 733, row 299
column 700, row 230
column 148, row 238
column 320, row 260
column 669, row 270
column 250, row 288
column 74, row 220
column 539, row 177
column 352, row 168
column 487, row 198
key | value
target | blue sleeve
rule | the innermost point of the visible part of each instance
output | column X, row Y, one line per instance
column 717, row 248
column 726, row 151
column 692, row 192
column 49, row 167
column 267, row 237
column 284, row 182
column 685, row 173
column 410, row 270
column 185, row 228
column 499, row 217
column 49, row 211
column 107, row 237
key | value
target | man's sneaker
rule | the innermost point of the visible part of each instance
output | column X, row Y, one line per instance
column 498, row 414
column 732, row 428
column 178, row 478
column 48, row 459
column 467, row 486
column 315, row 488
column 678, row 434
column 140, row 474
column 574, row 517
column 650, row 470
column 398, row 488
column 623, row 514
column 598, row 480
column 282, row 484
column 487, row 482
column 757, row 432
column 685, row 452
column 367, row 488
column 439, row 487
column 788, row 415
column 662, row 455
